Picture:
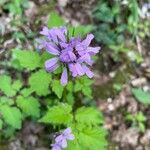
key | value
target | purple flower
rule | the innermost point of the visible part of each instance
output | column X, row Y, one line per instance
column 73, row 54
column 56, row 146
column 61, row 140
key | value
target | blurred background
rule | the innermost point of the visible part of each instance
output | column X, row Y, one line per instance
column 121, row 86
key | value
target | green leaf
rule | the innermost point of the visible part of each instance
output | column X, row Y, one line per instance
column 17, row 85
column 29, row 105
column 57, row 88
column 26, row 92
column 1, row 124
column 5, row 85
column 39, row 82
column 141, row 96
column 55, row 20
column 28, row 59
column 78, row 86
column 70, row 98
column 79, row 30
column 89, row 116
column 93, row 138
column 88, row 139
column 87, row 91
column 11, row 116
column 60, row 114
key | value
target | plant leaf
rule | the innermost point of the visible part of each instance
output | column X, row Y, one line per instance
column 141, row 96
column 5, row 85
column 11, row 116
column 39, row 82
column 57, row 88
column 60, row 114
column 28, row 59
column 29, row 105
column 55, row 20
column 89, row 116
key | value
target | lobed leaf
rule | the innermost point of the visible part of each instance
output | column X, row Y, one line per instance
column 57, row 88
column 88, row 116
column 11, row 116
column 56, row 115
column 29, row 105
column 39, row 82
column 28, row 59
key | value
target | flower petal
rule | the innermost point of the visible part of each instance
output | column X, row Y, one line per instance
column 72, row 56
column 88, row 40
column 64, row 77
column 72, row 69
column 67, row 131
column 88, row 72
column 93, row 50
column 45, row 31
column 59, row 138
column 56, row 146
column 51, row 49
column 70, row 137
column 64, row 143
column 51, row 64
column 79, row 69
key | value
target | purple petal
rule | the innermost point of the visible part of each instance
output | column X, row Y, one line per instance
column 59, row 138
column 72, row 56
column 51, row 49
column 93, row 50
column 45, row 31
column 57, row 33
column 70, row 137
column 64, row 143
column 51, row 64
column 41, row 43
column 67, row 131
column 86, row 58
column 63, row 44
column 64, row 77
column 88, row 40
column 88, row 72
column 56, row 146
column 79, row 69
column 72, row 69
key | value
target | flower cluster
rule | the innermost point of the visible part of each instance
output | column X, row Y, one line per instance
column 73, row 54
column 61, row 140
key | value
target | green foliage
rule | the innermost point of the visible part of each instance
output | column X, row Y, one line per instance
column 84, row 84
column 12, row 116
column 88, row 115
column 28, row 59
column 16, row 6
column 106, row 16
column 141, row 96
column 133, row 18
column 17, row 85
column 7, row 87
column 88, row 138
column 79, row 30
column 84, row 123
column 138, row 120
column 57, row 88
column 29, row 105
column 55, row 20
column 39, row 82
column 60, row 114
column 1, row 124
